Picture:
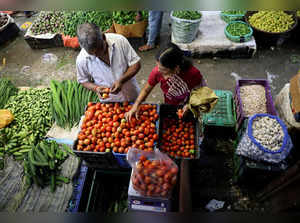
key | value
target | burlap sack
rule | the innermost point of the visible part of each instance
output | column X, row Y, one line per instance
column 283, row 107
column 129, row 31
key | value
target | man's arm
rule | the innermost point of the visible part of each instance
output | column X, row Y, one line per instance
column 129, row 73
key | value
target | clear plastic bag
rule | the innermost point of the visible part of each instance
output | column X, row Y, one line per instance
column 184, row 30
column 154, row 174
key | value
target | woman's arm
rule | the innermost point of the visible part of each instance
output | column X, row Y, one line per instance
column 142, row 96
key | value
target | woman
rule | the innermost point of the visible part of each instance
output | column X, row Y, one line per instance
column 177, row 77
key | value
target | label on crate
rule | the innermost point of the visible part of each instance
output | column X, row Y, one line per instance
column 148, row 208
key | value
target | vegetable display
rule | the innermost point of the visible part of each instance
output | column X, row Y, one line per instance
column 42, row 164
column 154, row 178
column 190, row 15
column 127, row 17
column 3, row 19
column 31, row 109
column 178, row 138
column 238, row 29
column 7, row 89
column 272, row 21
column 104, row 128
column 72, row 19
column 48, row 22
column 68, row 100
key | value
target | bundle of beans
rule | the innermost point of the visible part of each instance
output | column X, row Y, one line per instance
column 254, row 99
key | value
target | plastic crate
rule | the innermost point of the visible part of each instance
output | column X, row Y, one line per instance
column 169, row 111
column 101, row 160
column 240, row 116
column 106, row 188
column 78, row 186
column 223, row 113
column 122, row 158
column 137, row 202
column 10, row 32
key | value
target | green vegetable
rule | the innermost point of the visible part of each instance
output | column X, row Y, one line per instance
column 238, row 29
column 68, row 101
column 44, row 173
column 190, row 15
column 7, row 89
column 48, row 22
column 272, row 21
column 72, row 19
column 33, row 119
column 298, row 13
column 127, row 17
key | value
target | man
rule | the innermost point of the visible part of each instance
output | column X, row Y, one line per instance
column 155, row 21
column 110, row 61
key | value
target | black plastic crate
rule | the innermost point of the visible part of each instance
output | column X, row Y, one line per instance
column 101, row 160
column 38, row 43
column 105, row 190
column 169, row 111
column 10, row 32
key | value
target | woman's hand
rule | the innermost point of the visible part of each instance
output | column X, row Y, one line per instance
column 182, row 112
column 132, row 112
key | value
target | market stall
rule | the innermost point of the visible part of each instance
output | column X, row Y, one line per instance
column 157, row 176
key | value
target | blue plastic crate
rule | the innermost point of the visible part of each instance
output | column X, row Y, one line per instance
column 78, row 185
column 121, row 158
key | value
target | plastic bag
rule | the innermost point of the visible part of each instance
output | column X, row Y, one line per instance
column 184, row 30
column 252, row 149
column 6, row 117
column 154, row 174
column 70, row 41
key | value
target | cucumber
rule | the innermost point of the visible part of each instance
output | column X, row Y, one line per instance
column 63, row 179
column 34, row 162
column 53, row 184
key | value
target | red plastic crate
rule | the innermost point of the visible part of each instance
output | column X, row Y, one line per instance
column 240, row 115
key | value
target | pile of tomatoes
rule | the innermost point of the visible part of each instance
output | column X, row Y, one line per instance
column 104, row 128
column 178, row 138
column 154, row 178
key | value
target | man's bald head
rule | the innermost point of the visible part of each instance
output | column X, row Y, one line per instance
column 90, row 37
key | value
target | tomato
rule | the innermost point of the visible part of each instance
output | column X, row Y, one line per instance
column 121, row 150
column 141, row 136
column 86, row 141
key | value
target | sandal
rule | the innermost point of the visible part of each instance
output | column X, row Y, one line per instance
column 146, row 48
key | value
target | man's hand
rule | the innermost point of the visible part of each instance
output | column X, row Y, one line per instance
column 116, row 88
column 102, row 92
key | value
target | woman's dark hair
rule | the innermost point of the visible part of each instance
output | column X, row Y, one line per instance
column 171, row 56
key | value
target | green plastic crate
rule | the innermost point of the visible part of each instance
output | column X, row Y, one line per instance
column 223, row 113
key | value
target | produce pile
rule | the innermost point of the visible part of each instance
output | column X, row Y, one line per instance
column 3, row 19
column 178, row 138
column 104, row 128
column 238, row 29
column 68, row 101
column 272, row 21
column 127, row 17
column 298, row 13
column 7, row 89
column 48, row 22
column 268, row 132
column 72, row 19
column 254, row 100
column 190, row 15
column 42, row 164
column 31, row 109
column 154, row 178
